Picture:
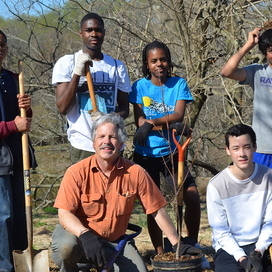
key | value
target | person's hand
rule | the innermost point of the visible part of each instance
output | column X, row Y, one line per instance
column 186, row 249
column 22, row 123
column 243, row 262
column 93, row 249
column 254, row 262
column 181, row 128
column 253, row 37
column 142, row 133
column 24, row 101
column 80, row 64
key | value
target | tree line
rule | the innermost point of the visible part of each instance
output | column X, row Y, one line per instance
column 201, row 36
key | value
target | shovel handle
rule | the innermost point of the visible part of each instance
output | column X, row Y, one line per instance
column 181, row 154
column 181, row 148
column 26, row 164
column 90, row 86
column 121, row 245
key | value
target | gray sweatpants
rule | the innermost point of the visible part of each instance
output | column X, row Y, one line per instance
column 67, row 252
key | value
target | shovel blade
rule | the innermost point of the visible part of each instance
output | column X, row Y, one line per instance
column 31, row 260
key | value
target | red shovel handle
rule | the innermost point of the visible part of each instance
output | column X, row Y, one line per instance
column 181, row 152
column 181, row 148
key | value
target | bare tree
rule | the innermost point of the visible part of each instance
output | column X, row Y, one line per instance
column 201, row 35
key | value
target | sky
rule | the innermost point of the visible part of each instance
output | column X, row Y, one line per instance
column 23, row 6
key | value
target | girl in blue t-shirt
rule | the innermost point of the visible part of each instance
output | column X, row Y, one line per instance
column 159, row 101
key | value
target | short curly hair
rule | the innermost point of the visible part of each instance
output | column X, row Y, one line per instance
column 90, row 16
column 2, row 33
column 265, row 41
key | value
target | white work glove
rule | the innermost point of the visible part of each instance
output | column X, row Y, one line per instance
column 80, row 64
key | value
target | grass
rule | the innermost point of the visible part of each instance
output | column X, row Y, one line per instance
column 50, row 210
column 39, row 224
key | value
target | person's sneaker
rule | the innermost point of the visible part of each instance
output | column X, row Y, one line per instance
column 205, row 263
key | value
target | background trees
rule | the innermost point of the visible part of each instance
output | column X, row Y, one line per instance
column 201, row 35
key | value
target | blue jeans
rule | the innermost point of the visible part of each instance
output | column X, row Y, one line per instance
column 12, row 218
column 6, row 218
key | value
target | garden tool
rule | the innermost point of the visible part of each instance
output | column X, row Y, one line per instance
column 28, row 260
column 94, row 112
column 180, row 181
column 137, row 230
column 180, row 178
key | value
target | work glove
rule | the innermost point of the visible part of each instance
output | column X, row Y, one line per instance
column 180, row 128
column 243, row 263
column 93, row 249
column 142, row 133
column 80, row 64
column 186, row 249
column 254, row 262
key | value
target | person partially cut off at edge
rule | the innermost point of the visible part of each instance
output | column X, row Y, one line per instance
column 258, row 77
column 12, row 198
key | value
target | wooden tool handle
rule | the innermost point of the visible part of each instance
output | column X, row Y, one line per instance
column 26, row 164
column 25, row 150
column 90, row 86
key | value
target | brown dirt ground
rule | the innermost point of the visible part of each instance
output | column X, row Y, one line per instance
column 44, row 226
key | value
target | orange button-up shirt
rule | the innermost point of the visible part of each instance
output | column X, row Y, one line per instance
column 105, row 204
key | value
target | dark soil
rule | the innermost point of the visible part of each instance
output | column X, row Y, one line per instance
column 171, row 257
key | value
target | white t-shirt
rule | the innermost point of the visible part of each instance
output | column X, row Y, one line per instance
column 109, row 76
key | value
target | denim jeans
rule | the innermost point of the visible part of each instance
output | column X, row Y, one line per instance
column 6, row 218
column 12, row 218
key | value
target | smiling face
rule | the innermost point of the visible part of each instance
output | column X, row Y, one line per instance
column 106, row 142
column 158, row 65
column 92, row 33
column 241, row 150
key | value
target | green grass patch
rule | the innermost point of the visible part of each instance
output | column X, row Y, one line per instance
column 50, row 210
column 39, row 224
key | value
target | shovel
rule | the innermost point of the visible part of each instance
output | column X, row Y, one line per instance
column 180, row 181
column 30, row 259
column 94, row 112
column 137, row 230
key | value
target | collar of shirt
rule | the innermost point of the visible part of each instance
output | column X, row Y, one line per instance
column 95, row 166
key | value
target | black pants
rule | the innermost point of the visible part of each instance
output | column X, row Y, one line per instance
column 155, row 166
column 225, row 262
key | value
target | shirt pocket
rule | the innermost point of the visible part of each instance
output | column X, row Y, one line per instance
column 93, row 205
column 125, row 203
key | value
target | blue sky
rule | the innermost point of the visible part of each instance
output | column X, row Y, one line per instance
column 23, row 6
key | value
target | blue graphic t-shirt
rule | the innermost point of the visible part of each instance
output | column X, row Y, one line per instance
column 158, row 101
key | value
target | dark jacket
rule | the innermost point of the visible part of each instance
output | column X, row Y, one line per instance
column 11, row 142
